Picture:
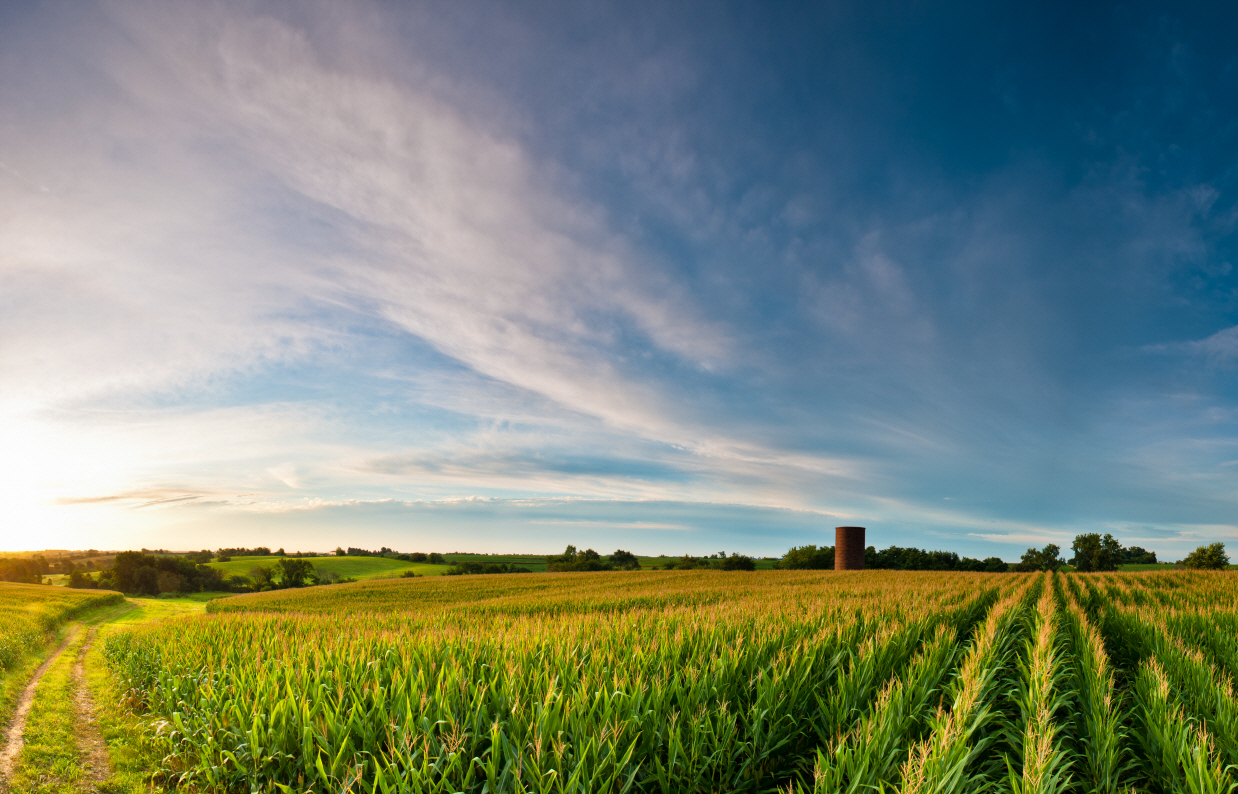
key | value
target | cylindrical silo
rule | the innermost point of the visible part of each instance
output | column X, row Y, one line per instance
column 848, row 548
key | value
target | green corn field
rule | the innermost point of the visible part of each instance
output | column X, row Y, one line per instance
column 701, row 681
column 29, row 612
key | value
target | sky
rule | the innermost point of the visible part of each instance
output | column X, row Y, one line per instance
column 668, row 277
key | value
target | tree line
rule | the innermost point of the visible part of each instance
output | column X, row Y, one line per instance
column 1095, row 552
column 894, row 558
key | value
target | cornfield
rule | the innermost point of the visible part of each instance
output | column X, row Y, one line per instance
column 702, row 682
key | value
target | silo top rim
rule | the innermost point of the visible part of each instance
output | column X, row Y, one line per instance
column 848, row 527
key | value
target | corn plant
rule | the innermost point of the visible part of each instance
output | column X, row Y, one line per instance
column 942, row 762
column 1179, row 757
column 1103, row 735
column 1043, row 767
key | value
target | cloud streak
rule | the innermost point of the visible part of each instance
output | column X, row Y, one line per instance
column 258, row 258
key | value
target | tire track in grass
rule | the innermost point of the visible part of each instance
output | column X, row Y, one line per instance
column 96, row 765
column 15, row 738
column 92, row 749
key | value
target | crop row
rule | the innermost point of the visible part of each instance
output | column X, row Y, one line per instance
column 684, row 682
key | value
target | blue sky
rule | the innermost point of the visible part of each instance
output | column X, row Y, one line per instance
column 669, row 277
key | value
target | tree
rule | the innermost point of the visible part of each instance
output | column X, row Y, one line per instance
column 295, row 572
column 1136, row 555
column 571, row 560
column 1212, row 556
column 339, row 552
column 738, row 562
column 624, row 560
column 1047, row 559
column 436, row 559
column 1094, row 553
column 263, row 577
column 810, row 558
column 81, row 581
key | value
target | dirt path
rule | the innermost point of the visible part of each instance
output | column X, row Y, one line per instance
column 96, row 766
column 14, row 739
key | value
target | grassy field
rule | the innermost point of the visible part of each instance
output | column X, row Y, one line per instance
column 705, row 681
column 359, row 568
column 537, row 563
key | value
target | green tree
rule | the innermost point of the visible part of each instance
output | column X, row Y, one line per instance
column 1047, row 559
column 263, row 577
column 625, row 560
column 799, row 558
column 739, row 562
column 1096, row 553
column 1212, row 556
column 294, row 572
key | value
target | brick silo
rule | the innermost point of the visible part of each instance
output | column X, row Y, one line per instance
column 848, row 548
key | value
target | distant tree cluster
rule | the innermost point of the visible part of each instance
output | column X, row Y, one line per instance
column 29, row 570
column 470, row 567
column 149, row 574
column 226, row 555
column 589, row 560
column 897, row 558
column 1212, row 557
column 1047, row 559
column 1134, row 555
column 355, row 552
column 1092, row 552
column 719, row 561
column 894, row 558
column 417, row 556
column 572, row 560
column 807, row 558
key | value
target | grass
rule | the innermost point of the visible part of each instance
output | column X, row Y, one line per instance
column 534, row 562
column 48, row 763
column 360, row 568
column 537, row 562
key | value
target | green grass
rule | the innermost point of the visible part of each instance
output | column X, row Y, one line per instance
column 13, row 681
column 537, row 562
column 359, row 568
column 48, row 763
column 534, row 562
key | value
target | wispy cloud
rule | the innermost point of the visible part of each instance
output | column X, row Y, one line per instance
column 270, row 261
